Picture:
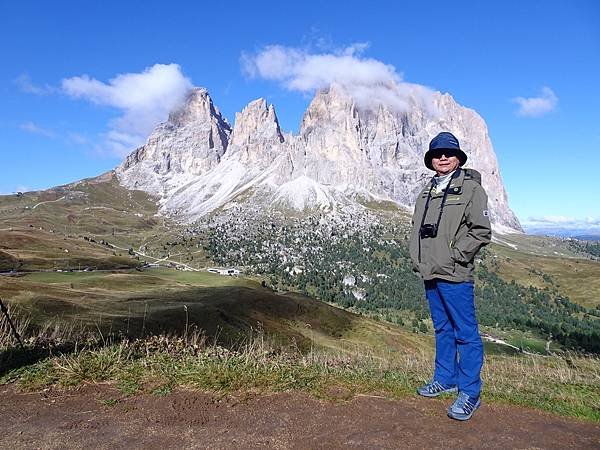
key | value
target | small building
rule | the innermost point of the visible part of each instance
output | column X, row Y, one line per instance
column 224, row 270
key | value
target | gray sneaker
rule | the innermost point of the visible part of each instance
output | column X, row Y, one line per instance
column 435, row 388
column 463, row 407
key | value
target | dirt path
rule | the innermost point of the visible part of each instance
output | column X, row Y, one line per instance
column 90, row 418
column 48, row 201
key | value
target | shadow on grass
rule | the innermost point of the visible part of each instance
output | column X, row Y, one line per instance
column 15, row 357
column 226, row 315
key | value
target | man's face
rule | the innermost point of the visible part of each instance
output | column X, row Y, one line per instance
column 444, row 162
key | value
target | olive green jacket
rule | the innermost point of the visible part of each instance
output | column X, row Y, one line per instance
column 464, row 228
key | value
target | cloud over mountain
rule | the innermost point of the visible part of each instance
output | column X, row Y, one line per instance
column 144, row 99
column 370, row 81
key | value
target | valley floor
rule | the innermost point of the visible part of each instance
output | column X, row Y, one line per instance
column 98, row 416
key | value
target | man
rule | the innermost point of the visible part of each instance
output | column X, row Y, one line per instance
column 450, row 224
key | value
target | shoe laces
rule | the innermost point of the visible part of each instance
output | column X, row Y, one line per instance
column 463, row 403
column 435, row 387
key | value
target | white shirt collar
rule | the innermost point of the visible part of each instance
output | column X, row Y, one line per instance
column 442, row 181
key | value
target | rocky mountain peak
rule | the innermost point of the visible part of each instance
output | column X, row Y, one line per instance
column 191, row 142
column 257, row 122
column 331, row 106
column 198, row 107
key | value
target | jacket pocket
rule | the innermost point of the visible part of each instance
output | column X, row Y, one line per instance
column 441, row 259
column 457, row 257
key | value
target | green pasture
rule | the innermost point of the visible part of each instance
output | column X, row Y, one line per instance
column 154, row 301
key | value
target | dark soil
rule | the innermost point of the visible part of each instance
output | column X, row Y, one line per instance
column 99, row 417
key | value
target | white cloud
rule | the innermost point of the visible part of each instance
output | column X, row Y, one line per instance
column 370, row 81
column 144, row 99
column 545, row 103
column 31, row 127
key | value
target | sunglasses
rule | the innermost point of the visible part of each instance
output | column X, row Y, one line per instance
column 437, row 154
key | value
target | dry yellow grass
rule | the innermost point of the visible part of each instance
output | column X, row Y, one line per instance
column 579, row 279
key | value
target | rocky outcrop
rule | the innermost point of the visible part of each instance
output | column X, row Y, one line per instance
column 257, row 137
column 191, row 142
column 198, row 164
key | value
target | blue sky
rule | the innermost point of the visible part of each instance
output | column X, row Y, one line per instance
column 486, row 54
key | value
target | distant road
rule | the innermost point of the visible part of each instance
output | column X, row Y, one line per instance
column 25, row 272
column 157, row 259
column 49, row 201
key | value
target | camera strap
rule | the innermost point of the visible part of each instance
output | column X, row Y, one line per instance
column 439, row 219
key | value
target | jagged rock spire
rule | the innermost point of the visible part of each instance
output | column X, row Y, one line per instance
column 256, row 123
column 256, row 137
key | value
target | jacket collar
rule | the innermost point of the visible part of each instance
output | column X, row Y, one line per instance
column 457, row 181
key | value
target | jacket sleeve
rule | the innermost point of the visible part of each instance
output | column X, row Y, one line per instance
column 413, row 245
column 479, row 229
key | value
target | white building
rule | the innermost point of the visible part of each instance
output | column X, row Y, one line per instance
column 224, row 270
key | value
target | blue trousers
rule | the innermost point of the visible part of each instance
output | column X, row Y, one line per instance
column 458, row 346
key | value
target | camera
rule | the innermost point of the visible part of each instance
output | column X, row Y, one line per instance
column 428, row 230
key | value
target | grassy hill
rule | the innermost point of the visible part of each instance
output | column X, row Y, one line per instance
column 95, row 205
column 137, row 304
column 572, row 275
column 99, row 225
column 48, row 238
column 92, row 223
column 252, row 340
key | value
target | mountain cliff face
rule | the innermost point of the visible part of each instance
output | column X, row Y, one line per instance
column 190, row 143
column 196, row 163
